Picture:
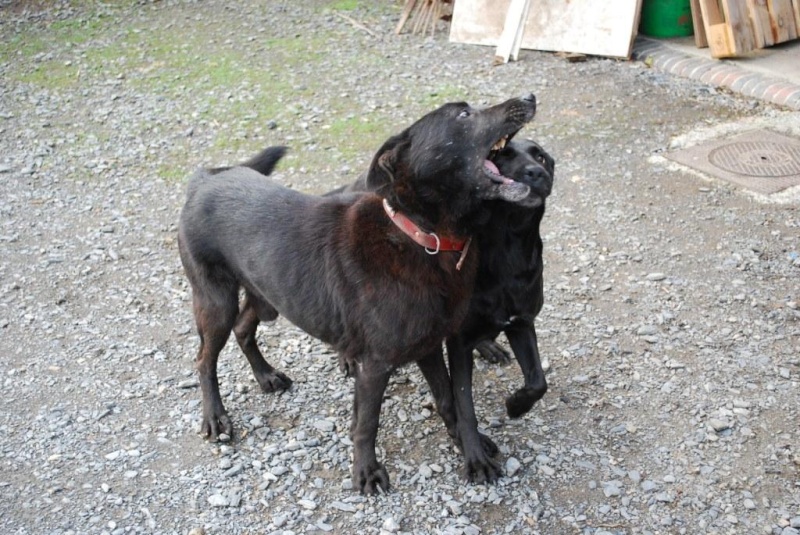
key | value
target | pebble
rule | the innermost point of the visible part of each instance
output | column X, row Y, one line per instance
column 718, row 425
column 512, row 466
column 611, row 488
column 656, row 276
column 325, row 425
column 425, row 470
column 217, row 500
column 307, row 504
column 390, row 525
column 341, row 506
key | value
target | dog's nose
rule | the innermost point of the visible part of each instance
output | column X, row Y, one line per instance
column 529, row 98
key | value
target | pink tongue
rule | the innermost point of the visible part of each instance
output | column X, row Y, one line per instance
column 488, row 164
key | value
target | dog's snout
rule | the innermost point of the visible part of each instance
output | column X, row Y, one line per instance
column 536, row 172
column 530, row 97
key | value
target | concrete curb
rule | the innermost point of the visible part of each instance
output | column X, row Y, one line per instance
column 718, row 73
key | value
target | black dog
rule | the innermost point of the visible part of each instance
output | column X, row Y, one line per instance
column 383, row 279
column 508, row 291
column 507, row 296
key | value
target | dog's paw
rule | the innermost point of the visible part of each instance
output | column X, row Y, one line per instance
column 483, row 470
column 371, row 479
column 216, row 427
column 523, row 400
column 274, row 382
column 492, row 352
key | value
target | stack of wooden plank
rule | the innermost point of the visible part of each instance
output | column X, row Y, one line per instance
column 733, row 28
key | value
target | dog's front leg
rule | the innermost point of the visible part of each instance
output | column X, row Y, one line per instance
column 478, row 449
column 522, row 337
column 368, row 474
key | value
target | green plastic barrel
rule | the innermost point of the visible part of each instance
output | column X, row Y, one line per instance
column 666, row 18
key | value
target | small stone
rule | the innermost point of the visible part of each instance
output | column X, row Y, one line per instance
column 790, row 531
column 635, row 476
column 656, row 276
column 325, row 425
column 278, row 470
column 234, row 471
column 795, row 522
column 665, row 497
column 718, row 425
column 224, row 437
column 346, row 507
column 425, row 470
column 647, row 330
column 649, row 486
column 307, row 504
column 197, row 531
column 611, row 488
column 749, row 504
column 512, row 466
column 390, row 525
column 218, row 500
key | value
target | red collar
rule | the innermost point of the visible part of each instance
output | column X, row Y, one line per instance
column 431, row 241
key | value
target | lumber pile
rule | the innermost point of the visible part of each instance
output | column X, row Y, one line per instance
column 422, row 15
column 733, row 28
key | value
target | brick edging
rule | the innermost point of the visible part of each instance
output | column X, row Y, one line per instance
column 718, row 73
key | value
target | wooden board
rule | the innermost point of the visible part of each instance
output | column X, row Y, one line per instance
column 773, row 21
column 700, row 40
column 796, row 8
column 729, row 30
column 511, row 38
column 586, row 26
column 782, row 19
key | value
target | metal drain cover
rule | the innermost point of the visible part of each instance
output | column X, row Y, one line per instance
column 760, row 160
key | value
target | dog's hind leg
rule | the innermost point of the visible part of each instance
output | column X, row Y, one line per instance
column 492, row 352
column 369, row 476
column 522, row 337
column 215, row 311
column 435, row 373
column 253, row 311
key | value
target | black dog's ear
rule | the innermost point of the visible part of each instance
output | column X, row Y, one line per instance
column 383, row 169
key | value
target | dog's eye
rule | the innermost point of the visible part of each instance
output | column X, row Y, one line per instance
column 464, row 114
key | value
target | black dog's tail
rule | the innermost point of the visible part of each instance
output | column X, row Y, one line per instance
column 265, row 161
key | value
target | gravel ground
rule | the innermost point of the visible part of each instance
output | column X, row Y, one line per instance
column 670, row 326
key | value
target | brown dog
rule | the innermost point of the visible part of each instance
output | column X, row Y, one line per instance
column 383, row 278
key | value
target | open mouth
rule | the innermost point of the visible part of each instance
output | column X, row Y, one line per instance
column 489, row 166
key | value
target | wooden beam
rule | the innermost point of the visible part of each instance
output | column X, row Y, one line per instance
column 407, row 9
column 700, row 39
column 796, row 9
column 511, row 38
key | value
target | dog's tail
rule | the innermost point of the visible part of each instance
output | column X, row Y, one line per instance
column 265, row 161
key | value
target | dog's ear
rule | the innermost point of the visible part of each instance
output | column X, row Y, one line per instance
column 383, row 169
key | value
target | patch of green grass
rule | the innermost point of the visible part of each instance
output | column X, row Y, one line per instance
column 171, row 173
column 354, row 136
column 51, row 75
column 345, row 5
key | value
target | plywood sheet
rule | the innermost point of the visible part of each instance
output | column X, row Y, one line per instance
column 586, row 26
